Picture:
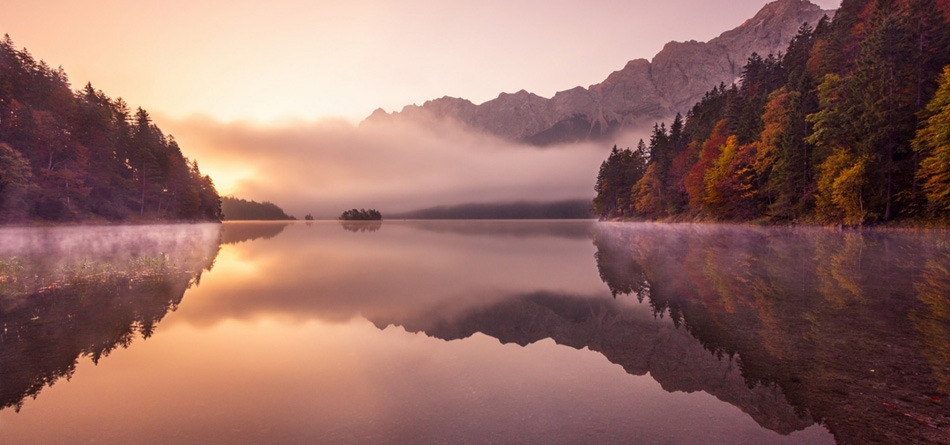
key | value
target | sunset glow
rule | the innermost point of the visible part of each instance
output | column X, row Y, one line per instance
column 301, row 59
column 493, row 221
column 210, row 70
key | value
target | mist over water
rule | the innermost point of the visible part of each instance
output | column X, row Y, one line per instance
column 109, row 242
column 46, row 259
column 535, row 331
column 326, row 167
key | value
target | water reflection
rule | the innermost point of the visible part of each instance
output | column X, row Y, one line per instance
column 853, row 327
column 794, row 327
column 639, row 343
column 71, row 293
column 235, row 232
column 361, row 226
column 569, row 229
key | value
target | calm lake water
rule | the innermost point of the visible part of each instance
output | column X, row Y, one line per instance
column 473, row 332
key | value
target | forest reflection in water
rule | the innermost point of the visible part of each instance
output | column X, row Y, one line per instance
column 72, row 292
column 854, row 327
column 794, row 327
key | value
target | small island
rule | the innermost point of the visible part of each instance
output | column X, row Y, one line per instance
column 361, row 215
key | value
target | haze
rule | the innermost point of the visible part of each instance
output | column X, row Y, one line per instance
column 266, row 96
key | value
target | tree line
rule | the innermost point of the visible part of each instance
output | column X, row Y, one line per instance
column 78, row 155
column 237, row 209
column 848, row 126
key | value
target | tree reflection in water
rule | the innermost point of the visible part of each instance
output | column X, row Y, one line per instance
column 932, row 318
column 792, row 326
column 361, row 226
column 83, row 292
column 854, row 327
column 235, row 232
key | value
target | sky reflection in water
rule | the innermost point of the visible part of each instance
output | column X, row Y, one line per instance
column 320, row 332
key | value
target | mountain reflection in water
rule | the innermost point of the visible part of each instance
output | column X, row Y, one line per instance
column 795, row 327
column 854, row 327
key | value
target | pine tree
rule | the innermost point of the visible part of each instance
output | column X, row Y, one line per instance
column 86, row 154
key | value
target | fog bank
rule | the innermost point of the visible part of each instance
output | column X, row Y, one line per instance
column 326, row 167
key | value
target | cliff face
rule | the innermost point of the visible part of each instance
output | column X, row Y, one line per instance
column 639, row 94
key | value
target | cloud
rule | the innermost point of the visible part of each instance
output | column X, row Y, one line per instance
column 328, row 166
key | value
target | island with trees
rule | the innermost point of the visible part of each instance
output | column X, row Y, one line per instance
column 847, row 127
column 361, row 215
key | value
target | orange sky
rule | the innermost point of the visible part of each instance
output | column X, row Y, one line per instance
column 232, row 59
column 275, row 71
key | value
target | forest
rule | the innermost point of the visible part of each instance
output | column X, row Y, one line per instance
column 81, row 156
column 237, row 209
column 848, row 127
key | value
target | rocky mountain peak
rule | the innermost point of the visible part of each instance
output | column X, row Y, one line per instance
column 640, row 93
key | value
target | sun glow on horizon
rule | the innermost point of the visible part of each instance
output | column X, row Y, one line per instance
column 243, row 60
column 228, row 181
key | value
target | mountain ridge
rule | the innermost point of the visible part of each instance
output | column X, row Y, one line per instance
column 642, row 92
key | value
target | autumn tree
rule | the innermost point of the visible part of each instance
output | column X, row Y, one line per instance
column 933, row 144
column 647, row 194
column 824, row 132
column 86, row 154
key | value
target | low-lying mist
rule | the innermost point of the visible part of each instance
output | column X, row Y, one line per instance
column 326, row 167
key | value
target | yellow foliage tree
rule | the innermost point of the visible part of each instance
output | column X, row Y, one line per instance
column 774, row 126
column 933, row 142
column 717, row 174
column 647, row 194
column 841, row 178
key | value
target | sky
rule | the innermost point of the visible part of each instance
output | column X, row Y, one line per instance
column 282, row 68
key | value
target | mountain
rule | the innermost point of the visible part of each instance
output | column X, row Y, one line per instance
column 844, row 128
column 641, row 93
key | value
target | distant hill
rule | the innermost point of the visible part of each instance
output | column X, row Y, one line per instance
column 236, row 209
column 640, row 94
column 572, row 209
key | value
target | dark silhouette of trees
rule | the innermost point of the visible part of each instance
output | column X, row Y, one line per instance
column 236, row 209
column 361, row 215
column 615, row 182
column 88, row 156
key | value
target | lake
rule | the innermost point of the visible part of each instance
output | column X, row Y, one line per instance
column 473, row 332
